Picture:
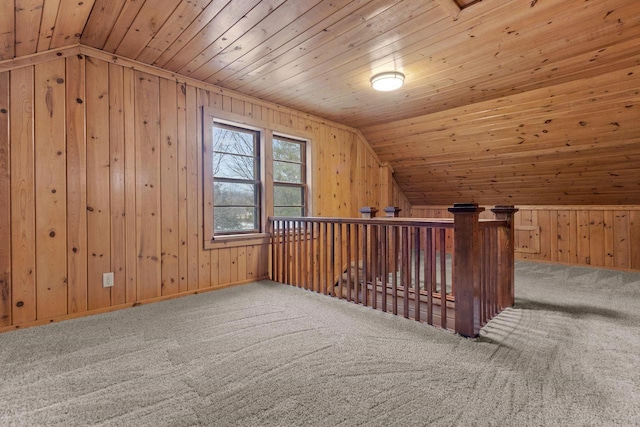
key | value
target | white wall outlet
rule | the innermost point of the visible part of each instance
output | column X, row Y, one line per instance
column 107, row 280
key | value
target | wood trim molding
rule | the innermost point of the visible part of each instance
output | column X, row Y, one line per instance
column 39, row 58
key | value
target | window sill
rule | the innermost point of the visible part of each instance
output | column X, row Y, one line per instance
column 234, row 241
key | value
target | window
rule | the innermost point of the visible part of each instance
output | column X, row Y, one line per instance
column 248, row 175
column 289, row 177
column 236, row 180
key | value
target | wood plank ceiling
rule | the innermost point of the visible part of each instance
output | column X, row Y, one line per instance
column 474, row 121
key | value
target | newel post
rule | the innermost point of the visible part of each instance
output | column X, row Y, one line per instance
column 466, row 268
column 506, row 270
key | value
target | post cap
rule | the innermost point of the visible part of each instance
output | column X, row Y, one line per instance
column 465, row 207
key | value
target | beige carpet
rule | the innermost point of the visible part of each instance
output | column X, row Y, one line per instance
column 266, row 354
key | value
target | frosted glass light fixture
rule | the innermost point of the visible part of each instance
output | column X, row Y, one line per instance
column 390, row 80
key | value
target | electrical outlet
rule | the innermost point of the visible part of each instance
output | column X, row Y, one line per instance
column 107, row 280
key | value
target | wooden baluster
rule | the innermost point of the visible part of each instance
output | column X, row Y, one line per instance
column 443, row 278
column 484, row 275
column 429, row 272
column 356, row 244
column 332, row 260
column 416, row 279
column 340, row 263
column 314, row 264
column 394, row 278
column 324, row 274
column 384, row 265
column 404, row 270
column 298, row 252
column 303, row 259
column 365, row 269
column 374, row 266
column 349, row 267
column 285, row 253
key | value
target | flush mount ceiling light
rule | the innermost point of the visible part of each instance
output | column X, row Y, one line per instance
column 387, row 81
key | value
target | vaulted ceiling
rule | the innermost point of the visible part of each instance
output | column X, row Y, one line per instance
column 523, row 101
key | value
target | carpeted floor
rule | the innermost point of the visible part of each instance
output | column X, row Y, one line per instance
column 266, row 354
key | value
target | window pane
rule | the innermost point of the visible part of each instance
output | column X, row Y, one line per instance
column 232, row 193
column 288, row 196
column 288, row 211
column 286, row 150
column 226, row 219
column 234, row 141
column 287, row 172
column 234, row 167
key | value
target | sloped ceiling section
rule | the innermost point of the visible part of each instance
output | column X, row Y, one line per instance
column 517, row 101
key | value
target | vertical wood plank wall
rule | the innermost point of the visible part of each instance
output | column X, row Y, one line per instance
column 603, row 236
column 100, row 170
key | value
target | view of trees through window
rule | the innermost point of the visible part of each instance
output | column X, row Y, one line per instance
column 237, row 179
column 289, row 177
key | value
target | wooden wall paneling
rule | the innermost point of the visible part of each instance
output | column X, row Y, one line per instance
column 47, row 24
column 242, row 263
column 609, row 254
column 148, row 207
column 268, row 23
column 553, row 235
column 76, row 185
column 51, row 201
column 544, row 222
column 169, row 186
column 321, row 175
column 28, row 14
column 7, row 37
column 215, row 267
column 98, row 182
column 252, row 268
column 356, row 169
column 70, row 21
column 117, row 173
column 233, row 265
column 563, row 224
column 101, row 21
column 224, row 266
column 193, row 244
column 621, row 240
column 5, row 201
column 203, row 27
column 221, row 31
column 183, row 237
column 182, row 17
column 634, row 238
column 146, row 24
column 584, row 255
column 23, row 244
column 237, row 106
column 573, row 236
column 596, row 238
column 131, row 263
column 204, row 257
column 127, row 13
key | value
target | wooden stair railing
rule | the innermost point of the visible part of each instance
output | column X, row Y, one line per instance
column 403, row 266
